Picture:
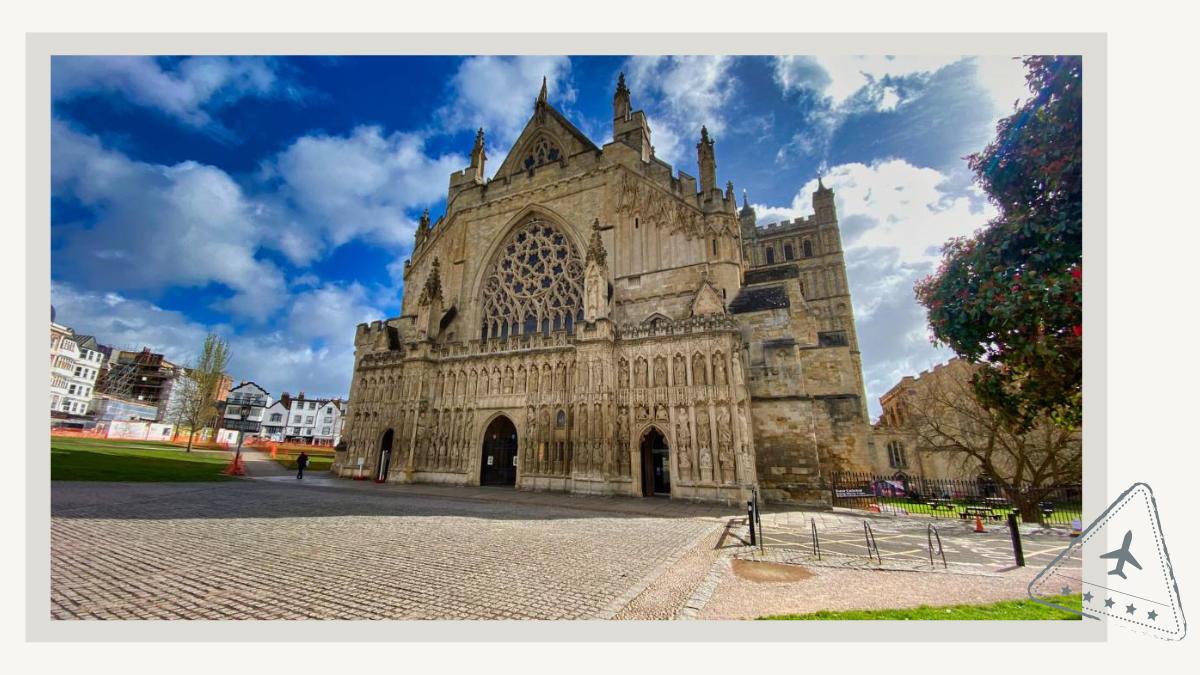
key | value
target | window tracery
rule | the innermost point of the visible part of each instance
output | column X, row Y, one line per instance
column 543, row 151
column 535, row 284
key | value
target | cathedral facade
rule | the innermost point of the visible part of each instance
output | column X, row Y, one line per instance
column 589, row 320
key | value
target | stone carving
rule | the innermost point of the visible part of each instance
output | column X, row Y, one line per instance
column 719, row 377
column 660, row 371
column 680, row 371
column 595, row 284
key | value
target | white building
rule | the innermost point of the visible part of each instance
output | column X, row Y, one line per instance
column 244, row 408
column 312, row 421
column 75, row 361
column 275, row 420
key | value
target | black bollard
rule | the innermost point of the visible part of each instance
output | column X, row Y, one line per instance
column 1015, row 532
column 750, row 519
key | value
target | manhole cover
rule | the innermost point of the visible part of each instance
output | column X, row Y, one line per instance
column 753, row 570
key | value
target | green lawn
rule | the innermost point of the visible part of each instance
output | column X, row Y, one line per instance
column 1009, row 610
column 1061, row 516
column 315, row 462
column 105, row 460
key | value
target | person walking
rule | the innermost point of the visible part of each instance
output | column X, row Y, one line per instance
column 301, row 462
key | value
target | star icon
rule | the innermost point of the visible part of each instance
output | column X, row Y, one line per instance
column 1130, row 609
column 1152, row 615
column 1087, row 597
column 1108, row 602
column 1066, row 590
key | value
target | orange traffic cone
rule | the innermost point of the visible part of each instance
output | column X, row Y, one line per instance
column 235, row 468
column 978, row 523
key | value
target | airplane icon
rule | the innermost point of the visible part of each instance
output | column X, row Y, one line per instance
column 1122, row 556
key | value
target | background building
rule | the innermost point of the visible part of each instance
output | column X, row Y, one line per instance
column 75, row 363
column 313, row 421
column 243, row 409
column 142, row 376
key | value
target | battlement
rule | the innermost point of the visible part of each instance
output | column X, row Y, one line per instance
column 784, row 226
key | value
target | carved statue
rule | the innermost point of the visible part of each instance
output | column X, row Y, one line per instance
column 623, row 374
column 680, row 371
column 660, row 372
column 698, row 370
column 719, row 370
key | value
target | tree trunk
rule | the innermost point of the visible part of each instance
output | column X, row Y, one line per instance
column 1030, row 508
column 191, row 435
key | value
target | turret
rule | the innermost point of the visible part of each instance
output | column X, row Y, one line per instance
column 629, row 127
column 823, row 205
column 621, row 106
column 706, row 158
column 422, row 230
column 478, row 157
column 748, row 219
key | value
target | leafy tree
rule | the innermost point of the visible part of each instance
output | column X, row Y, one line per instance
column 198, row 394
column 1011, row 296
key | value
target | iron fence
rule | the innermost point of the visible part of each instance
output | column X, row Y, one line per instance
column 903, row 494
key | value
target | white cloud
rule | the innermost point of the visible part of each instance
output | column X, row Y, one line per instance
column 841, row 77
column 334, row 189
column 1003, row 77
column 189, row 224
column 185, row 224
column 891, row 204
column 497, row 93
column 313, row 352
column 681, row 94
column 894, row 218
column 186, row 90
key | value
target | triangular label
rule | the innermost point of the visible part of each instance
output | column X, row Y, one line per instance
column 1120, row 568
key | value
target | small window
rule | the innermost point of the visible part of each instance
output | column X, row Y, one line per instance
column 770, row 256
column 788, row 252
column 561, row 420
column 714, row 246
column 807, row 248
column 635, row 223
column 896, row 458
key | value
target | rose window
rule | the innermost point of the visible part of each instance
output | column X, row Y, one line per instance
column 534, row 284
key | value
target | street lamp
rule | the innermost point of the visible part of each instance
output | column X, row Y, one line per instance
column 243, row 415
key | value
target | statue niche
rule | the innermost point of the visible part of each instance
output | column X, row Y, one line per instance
column 595, row 280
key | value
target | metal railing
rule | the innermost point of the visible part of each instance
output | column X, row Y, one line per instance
column 869, row 534
column 909, row 495
column 930, row 533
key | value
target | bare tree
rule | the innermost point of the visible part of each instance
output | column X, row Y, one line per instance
column 1027, row 465
column 198, row 398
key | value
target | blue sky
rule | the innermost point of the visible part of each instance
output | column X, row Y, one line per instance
column 273, row 200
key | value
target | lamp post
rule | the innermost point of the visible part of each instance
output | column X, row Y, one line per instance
column 243, row 415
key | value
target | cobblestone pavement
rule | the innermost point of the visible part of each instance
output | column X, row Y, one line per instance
column 274, row 549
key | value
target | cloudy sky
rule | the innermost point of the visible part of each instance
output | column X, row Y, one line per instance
column 273, row 200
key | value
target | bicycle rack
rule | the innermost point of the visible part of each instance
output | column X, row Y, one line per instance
column 930, row 533
column 816, row 542
column 869, row 534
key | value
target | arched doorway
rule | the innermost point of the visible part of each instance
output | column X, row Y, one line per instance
column 499, row 463
column 385, row 456
column 656, row 464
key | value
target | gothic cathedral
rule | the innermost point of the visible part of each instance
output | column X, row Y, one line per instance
column 587, row 320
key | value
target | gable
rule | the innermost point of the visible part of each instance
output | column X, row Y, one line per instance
column 546, row 139
column 707, row 301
